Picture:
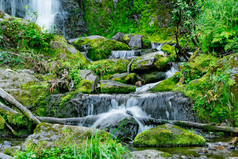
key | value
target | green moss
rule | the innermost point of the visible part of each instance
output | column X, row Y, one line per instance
column 146, row 43
column 67, row 97
column 2, row 123
column 105, row 68
column 84, row 86
column 168, row 135
column 1, row 14
column 126, row 79
column 166, row 85
column 100, row 48
column 161, row 62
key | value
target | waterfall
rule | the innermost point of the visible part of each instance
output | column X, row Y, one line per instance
column 45, row 12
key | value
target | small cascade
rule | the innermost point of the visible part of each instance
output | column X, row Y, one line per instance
column 112, row 116
column 157, row 46
column 146, row 87
column 125, row 54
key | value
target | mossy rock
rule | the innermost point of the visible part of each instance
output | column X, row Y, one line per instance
column 166, row 85
column 125, row 78
column 153, row 77
column 149, row 62
column 161, row 62
column 106, row 68
column 50, row 135
column 116, row 87
column 85, row 86
column 168, row 135
column 100, row 48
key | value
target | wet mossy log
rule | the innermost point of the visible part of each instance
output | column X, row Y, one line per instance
column 9, row 99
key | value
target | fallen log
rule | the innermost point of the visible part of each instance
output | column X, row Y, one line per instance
column 8, row 98
column 206, row 127
column 10, row 110
column 83, row 121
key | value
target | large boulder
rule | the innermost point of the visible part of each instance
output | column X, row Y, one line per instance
column 149, row 62
column 168, row 135
column 139, row 42
column 108, row 86
column 48, row 135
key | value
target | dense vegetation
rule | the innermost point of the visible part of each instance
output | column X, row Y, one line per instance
column 209, row 28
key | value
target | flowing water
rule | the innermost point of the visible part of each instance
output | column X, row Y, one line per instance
column 45, row 10
column 42, row 12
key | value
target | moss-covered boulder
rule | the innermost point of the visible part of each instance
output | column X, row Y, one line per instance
column 85, row 86
column 125, row 78
column 106, row 68
column 100, row 48
column 149, row 62
column 168, row 135
column 48, row 135
column 108, row 86
column 154, row 76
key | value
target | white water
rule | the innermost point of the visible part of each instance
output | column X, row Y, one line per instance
column 124, row 54
column 112, row 115
column 46, row 11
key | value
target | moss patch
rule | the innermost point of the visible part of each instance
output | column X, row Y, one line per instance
column 166, row 85
column 168, row 135
column 116, row 87
column 106, row 68
column 2, row 123
column 125, row 78
column 84, row 86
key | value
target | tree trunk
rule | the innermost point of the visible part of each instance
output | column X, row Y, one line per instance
column 8, row 98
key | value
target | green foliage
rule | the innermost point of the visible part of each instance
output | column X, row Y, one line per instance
column 107, row 17
column 10, row 59
column 105, row 68
column 26, row 34
column 217, row 25
column 96, row 146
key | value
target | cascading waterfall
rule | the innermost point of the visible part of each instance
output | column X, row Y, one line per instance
column 42, row 12
column 45, row 10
